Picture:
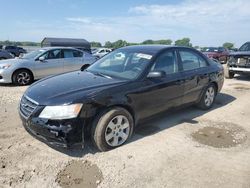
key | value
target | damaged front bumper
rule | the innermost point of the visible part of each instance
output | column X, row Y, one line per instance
column 61, row 133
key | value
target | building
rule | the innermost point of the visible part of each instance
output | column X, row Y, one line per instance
column 81, row 44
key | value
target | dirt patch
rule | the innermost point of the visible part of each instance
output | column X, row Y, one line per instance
column 220, row 137
column 240, row 86
column 78, row 174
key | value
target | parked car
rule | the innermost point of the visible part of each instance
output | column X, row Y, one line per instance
column 100, row 52
column 41, row 63
column 15, row 50
column 5, row 55
column 239, row 62
column 109, row 98
column 219, row 53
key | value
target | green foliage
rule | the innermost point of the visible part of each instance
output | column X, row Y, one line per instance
column 228, row 45
column 95, row 44
column 164, row 42
column 15, row 43
column 122, row 43
column 108, row 44
column 183, row 42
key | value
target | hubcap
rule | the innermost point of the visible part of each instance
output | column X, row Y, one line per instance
column 209, row 97
column 23, row 78
column 117, row 131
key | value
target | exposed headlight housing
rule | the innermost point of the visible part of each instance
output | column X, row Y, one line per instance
column 61, row 112
column 232, row 60
column 5, row 66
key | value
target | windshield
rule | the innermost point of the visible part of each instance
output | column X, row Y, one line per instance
column 245, row 47
column 123, row 64
column 34, row 54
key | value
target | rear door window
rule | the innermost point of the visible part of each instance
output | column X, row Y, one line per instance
column 191, row 60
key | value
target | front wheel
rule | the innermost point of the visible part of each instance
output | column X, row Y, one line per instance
column 112, row 129
column 22, row 77
column 208, row 97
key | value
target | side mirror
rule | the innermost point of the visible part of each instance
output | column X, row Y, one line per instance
column 84, row 67
column 156, row 74
column 41, row 59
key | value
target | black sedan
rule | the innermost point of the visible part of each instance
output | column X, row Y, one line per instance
column 107, row 99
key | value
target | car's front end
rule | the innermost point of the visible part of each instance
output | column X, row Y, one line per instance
column 56, row 110
column 55, row 125
column 6, row 71
column 239, row 62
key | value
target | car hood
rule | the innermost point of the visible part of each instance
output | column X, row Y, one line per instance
column 240, row 53
column 69, row 88
column 13, row 61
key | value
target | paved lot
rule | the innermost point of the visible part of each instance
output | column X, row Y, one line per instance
column 162, row 153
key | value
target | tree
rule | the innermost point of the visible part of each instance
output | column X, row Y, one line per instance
column 148, row 42
column 165, row 42
column 183, row 42
column 119, row 44
column 228, row 45
column 108, row 44
column 96, row 44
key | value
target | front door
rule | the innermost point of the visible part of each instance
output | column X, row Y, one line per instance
column 51, row 65
column 159, row 94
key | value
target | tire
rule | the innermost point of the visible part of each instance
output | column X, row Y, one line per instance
column 22, row 77
column 208, row 97
column 228, row 74
column 112, row 128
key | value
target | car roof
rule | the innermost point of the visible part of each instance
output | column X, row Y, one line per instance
column 152, row 49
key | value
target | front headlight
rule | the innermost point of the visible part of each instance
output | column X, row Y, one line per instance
column 61, row 112
column 4, row 66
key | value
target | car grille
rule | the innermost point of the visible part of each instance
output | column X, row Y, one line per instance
column 27, row 106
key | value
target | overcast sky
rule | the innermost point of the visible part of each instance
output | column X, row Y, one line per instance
column 207, row 23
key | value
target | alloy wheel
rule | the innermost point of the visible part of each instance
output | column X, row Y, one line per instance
column 117, row 131
column 23, row 78
column 209, row 97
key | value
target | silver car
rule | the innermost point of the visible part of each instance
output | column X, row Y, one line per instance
column 41, row 63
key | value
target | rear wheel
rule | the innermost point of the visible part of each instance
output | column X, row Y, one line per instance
column 208, row 97
column 112, row 129
column 22, row 77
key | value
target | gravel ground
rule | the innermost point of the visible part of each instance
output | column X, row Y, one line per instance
column 167, row 151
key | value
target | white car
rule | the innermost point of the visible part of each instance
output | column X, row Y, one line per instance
column 100, row 52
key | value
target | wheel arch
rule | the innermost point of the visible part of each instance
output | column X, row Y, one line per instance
column 87, row 129
column 22, row 69
column 216, row 86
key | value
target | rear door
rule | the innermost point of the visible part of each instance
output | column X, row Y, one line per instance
column 195, row 73
column 52, row 64
column 73, row 59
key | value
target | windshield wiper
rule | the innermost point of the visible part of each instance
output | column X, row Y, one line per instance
column 101, row 74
